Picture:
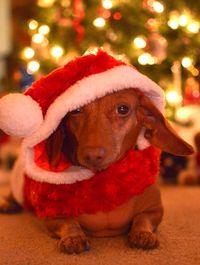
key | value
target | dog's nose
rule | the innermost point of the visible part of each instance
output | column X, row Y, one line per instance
column 94, row 155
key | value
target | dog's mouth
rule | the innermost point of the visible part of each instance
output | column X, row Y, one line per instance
column 95, row 168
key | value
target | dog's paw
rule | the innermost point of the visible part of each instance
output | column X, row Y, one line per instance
column 74, row 244
column 9, row 206
column 143, row 239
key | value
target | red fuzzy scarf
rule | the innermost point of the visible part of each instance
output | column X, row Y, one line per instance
column 103, row 192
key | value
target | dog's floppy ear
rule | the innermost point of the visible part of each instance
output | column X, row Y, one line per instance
column 158, row 130
column 54, row 145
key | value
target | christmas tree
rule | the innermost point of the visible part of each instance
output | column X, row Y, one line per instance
column 160, row 38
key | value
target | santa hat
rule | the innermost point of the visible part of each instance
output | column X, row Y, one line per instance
column 38, row 112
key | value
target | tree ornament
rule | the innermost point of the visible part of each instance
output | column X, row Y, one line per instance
column 157, row 46
column 152, row 24
column 79, row 14
column 117, row 16
column 22, row 78
column 191, row 91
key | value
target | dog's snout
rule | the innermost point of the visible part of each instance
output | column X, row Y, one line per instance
column 94, row 156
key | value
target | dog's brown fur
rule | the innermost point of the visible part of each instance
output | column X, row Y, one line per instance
column 99, row 135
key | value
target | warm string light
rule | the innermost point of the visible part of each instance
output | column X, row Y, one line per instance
column 157, row 7
column 33, row 66
column 183, row 20
column 139, row 42
column 146, row 58
column 45, row 3
column 186, row 62
column 182, row 114
column 173, row 98
column 44, row 29
column 193, row 27
column 57, row 51
column 99, row 22
column 107, row 4
column 32, row 24
column 175, row 20
column 28, row 53
column 37, row 38
column 173, row 24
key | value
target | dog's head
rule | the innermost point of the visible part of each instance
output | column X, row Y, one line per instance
column 100, row 133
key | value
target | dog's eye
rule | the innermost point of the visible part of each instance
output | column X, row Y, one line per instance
column 76, row 111
column 123, row 110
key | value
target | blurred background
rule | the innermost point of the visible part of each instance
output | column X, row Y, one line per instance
column 160, row 38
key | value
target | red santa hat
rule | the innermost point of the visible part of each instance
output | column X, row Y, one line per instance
column 38, row 112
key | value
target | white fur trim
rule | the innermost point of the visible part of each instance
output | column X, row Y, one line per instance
column 20, row 115
column 69, row 176
column 82, row 93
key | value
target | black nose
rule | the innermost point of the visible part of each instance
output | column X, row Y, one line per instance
column 94, row 156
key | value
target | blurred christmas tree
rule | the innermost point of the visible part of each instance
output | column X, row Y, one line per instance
column 161, row 39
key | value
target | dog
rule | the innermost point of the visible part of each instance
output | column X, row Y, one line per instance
column 99, row 134
column 9, row 151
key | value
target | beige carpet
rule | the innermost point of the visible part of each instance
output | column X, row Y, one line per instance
column 24, row 241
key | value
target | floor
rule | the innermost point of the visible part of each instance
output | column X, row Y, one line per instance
column 24, row 240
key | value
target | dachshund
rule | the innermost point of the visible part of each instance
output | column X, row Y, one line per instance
column 99, row 134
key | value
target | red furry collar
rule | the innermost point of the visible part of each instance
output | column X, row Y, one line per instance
column 103, row 192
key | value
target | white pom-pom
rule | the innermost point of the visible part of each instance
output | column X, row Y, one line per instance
column 20, row 115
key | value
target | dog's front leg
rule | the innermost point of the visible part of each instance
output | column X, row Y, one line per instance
column 72, row 238
column 143, row 227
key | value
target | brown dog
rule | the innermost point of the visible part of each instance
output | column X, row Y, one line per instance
column 99, row 134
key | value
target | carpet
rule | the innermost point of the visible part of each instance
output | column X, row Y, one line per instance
column 24, row 240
